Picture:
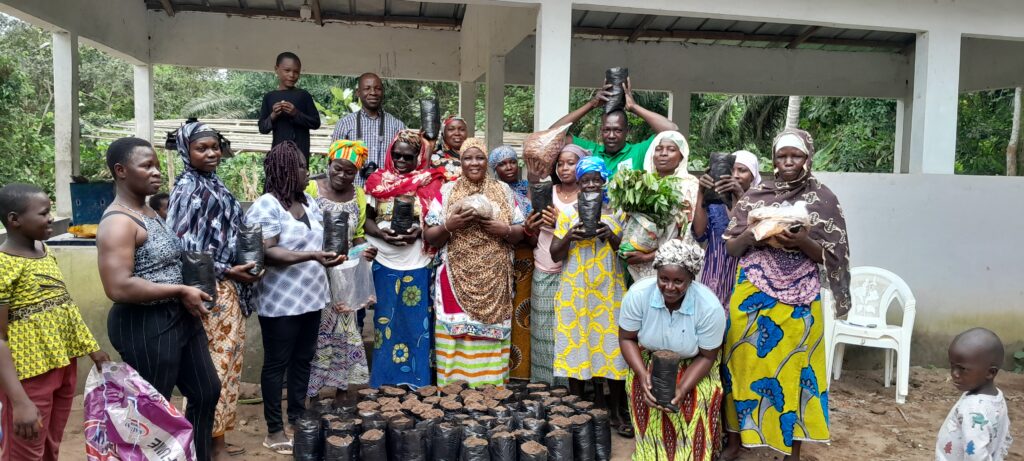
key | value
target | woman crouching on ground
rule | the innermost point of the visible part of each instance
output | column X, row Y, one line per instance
column 673, row 312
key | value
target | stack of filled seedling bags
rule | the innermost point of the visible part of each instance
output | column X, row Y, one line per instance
column 455, row 423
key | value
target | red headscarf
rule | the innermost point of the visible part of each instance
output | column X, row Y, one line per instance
column 387, row 183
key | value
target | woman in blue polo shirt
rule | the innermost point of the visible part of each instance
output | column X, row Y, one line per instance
column 674, row 312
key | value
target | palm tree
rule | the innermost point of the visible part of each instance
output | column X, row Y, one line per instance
column 759, row 118
column 1011, row 148
column 793, row 112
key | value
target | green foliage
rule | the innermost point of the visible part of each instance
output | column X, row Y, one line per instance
column 851, row 134
column 983, row 131
column 1018, row 362
column 637, row 191
column 341, row 103
column 243, row 175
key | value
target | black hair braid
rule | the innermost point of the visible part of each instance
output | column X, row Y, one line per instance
column 280, row 176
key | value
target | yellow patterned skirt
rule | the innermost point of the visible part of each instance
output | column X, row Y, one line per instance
column 776, row 391
column 519, row 359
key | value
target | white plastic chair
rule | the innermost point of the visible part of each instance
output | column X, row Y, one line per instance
column 873, row 290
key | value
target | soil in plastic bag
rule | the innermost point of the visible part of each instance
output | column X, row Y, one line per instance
column 473, row 428
column 540, row 195
column 426, row 429
column 249, row 247
column 197, row 271
column 373, row 445
column 403, row 217
column 536, row 425
column 430, row 118
column 602, row 435
column 664, row 369
column 336, row 232
column 535, row 407
column 541, row 149
column 307, row 444
column 589, row 204
column 396, row 428
column 533, row 451
column 559, row 444
column 503, row 447
column 616, row 76
column 583, row 438
column 523, row 436
column 480, row 205
column 447, row 441
column 343, row 448
column 412, row 445
column 475, row 449
column 720, row 164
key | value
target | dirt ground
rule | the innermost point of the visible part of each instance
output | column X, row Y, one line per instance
column 866, row 424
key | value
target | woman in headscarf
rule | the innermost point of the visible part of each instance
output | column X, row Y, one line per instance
column 547, row 273
column 402, row 270
column 340, row 360
column 668, row 155
column 205, row 216
column 775, row 383
column 710, row 221
column 589, row 294
column 454, row 132
column 673, row 312
column 477, row 224
column 504, row 161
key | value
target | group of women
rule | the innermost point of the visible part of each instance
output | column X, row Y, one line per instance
column 482, row 288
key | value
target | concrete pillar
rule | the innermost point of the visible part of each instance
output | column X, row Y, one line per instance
column 495, row 101
column 936, row 93
column 679, row 109
column 553, row 49
column 904, row 117
column 144, row 102
column 467, row 105
column 65, row 117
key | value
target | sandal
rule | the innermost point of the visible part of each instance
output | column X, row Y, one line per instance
column 281, row 448
column 626, row 430
column 235, row 450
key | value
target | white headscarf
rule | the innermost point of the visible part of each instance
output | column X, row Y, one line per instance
column 690, row 182
column 749, row 160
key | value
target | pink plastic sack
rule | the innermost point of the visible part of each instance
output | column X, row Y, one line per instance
column 127, row 419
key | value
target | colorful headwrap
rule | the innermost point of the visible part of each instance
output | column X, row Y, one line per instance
column 201, row 211
column 470, row 143
column 590, row 165
column 749, row 160
column 500, row 154
column 683, row 253
column 353, row 151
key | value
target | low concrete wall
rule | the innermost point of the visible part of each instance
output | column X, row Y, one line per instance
column 954, row 239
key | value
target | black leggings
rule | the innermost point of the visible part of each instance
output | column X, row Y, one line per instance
column 289, row 344
column 168, row 347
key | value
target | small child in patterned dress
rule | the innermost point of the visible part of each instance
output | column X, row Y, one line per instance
column 978, row 426
column 42, row 325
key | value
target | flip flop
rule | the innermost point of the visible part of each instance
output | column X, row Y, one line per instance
column 281, row 448
column 235, row 450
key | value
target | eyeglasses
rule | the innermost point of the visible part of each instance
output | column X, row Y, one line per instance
column 407, row 158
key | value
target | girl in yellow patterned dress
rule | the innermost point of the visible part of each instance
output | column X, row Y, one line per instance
column 42, row 324
column 589, row 294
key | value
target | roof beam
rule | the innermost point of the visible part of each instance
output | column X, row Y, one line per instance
column 803, row 37
column 731, row 36
column 318, row 15
column 640, row 28
column 168, row 7
column 447, row 23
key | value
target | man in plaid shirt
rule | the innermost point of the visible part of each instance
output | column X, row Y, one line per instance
column 370, row 124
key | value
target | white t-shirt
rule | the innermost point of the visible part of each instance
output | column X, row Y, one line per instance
column 976, row 429
column 399, row 258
